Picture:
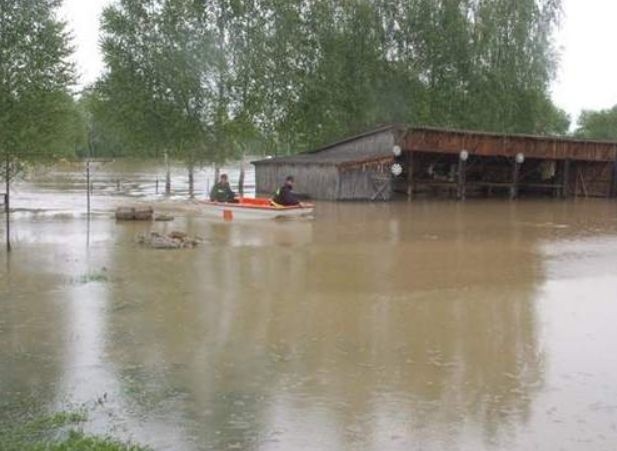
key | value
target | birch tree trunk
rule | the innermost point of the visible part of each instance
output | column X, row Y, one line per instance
column 167, row 175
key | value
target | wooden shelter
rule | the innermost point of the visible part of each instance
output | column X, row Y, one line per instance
column 418, row 161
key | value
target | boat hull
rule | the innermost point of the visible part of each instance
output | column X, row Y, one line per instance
column 255, row 209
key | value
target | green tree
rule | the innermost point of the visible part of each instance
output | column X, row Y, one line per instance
column 600, row 124
column 37, row 114
column 160, row 83
column 275, row 74
column 104, row 134
column 344, row 66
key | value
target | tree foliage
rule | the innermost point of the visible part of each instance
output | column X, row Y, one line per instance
column 37, row 114
column 38, row 119
column 221, row 77
column 158, row 89
column 600, row 124
column 455, row 63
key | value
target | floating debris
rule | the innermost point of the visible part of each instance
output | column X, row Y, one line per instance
column 91, row 277
column 163, row 218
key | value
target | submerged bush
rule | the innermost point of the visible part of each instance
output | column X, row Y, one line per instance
column 90, row 277
column 56, row 432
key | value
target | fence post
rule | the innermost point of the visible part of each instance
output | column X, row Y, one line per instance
column 7, row 207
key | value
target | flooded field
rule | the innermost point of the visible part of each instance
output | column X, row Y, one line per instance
column 400, row 326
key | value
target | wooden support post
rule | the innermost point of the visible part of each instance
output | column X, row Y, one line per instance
column 556, row 179
column 339, row 184
column 614, row 187
column 516, row 172
column 565, row 179
column 462, row 179
column 410, row 181
column 581, row 177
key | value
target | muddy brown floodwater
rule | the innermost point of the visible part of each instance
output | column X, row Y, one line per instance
column 429, row 325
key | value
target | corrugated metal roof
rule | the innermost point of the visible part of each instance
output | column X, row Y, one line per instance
column 326, row 157
column 550, row 138
column 337, row 152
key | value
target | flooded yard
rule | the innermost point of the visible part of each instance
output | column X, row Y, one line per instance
column 398, row 326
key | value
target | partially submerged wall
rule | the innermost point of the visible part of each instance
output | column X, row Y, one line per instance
column 341, row 171
column 317, row 181
column 365, row 182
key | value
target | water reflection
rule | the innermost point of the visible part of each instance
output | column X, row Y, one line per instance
column 381, row 326
column 365, row 339
column 62, row 189
column 33, row 309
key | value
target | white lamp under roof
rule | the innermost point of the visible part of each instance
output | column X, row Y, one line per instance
column 396, row 169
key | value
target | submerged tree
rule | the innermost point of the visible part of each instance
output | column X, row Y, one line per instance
column 103, row 133
column 37, row 114
column 160, row 83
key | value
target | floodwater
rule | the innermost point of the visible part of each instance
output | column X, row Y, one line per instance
column 401, row 326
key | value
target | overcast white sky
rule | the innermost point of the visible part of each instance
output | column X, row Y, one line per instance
column 587, row 76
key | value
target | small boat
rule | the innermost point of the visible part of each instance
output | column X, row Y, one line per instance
column 258, row 208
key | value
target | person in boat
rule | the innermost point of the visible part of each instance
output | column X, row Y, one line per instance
column 221, row 191
column 284, row 195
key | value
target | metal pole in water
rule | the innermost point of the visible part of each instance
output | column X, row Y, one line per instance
column 88, row 186
column 88, row 183
column 7, row 209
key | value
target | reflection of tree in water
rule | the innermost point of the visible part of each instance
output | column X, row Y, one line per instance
column 174, row 343
column 30, row 344
column 443, row 320
column 395, row 325
column 33, row 335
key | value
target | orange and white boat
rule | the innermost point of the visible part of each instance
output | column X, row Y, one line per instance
column 258, row 208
